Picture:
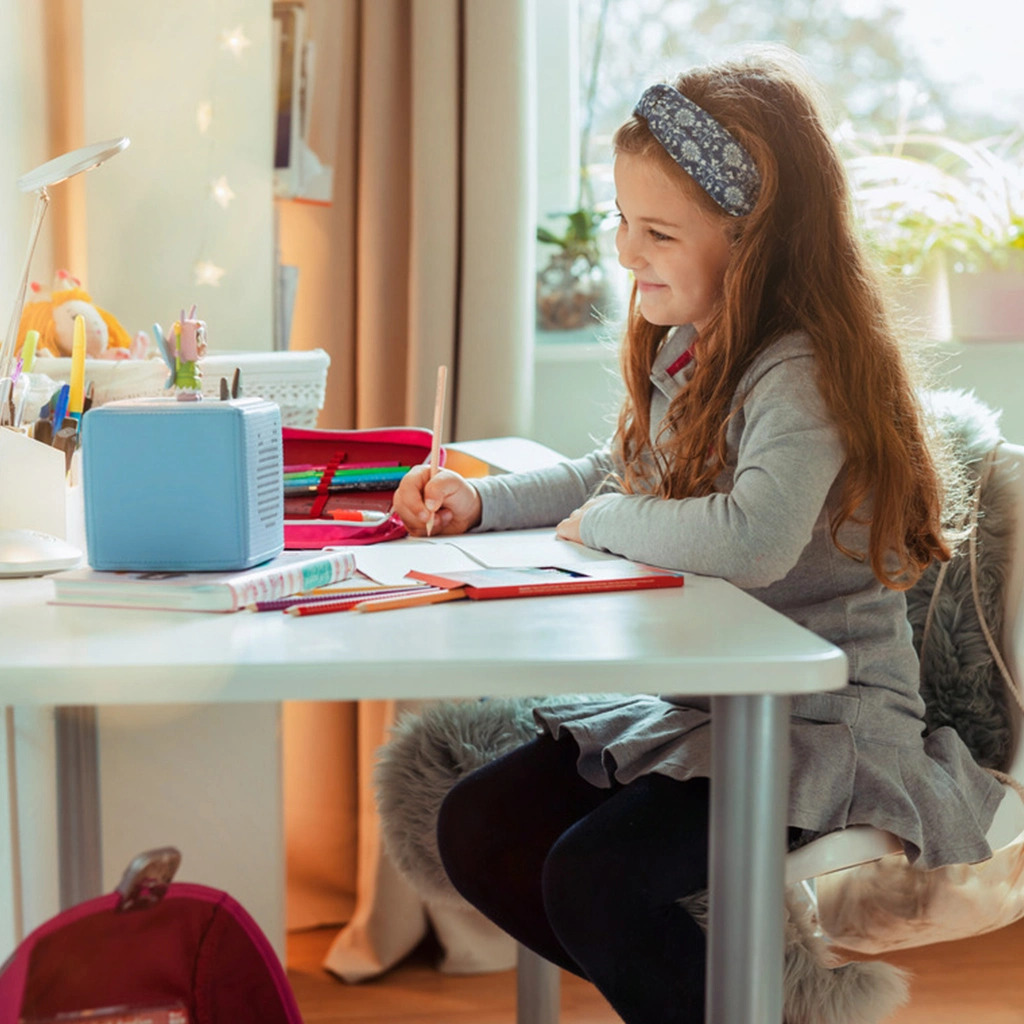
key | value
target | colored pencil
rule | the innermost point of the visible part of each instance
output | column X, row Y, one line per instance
column 384, row 604
column 369, row 483
column 76, row 389
column 347, row 604
column 28, row 351
column 435, row 443
column 340, row 597
column 318, row 468
column 362, row 604
column 346, row 474
column 60, row 408
column 343, row 478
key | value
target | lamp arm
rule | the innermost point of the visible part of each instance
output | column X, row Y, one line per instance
column 7, row 352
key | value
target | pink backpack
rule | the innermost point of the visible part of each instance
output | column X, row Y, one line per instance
column 151, row 951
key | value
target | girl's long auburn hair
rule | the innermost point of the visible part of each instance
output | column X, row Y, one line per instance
column 797, row 265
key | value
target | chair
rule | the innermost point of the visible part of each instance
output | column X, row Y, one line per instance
column 859, row 844
column 538, row 981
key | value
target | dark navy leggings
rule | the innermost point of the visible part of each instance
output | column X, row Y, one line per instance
column 588, row 878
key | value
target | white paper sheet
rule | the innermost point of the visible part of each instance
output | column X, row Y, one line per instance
column 524, row 548
column 388, row 563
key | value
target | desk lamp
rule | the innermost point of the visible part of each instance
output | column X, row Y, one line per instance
column 53, row 172
column 29, row 552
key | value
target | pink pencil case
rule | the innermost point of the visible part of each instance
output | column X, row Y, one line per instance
column 342, row 463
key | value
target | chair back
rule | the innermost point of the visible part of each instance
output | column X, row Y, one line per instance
column 859, row 844
column 1009, row 469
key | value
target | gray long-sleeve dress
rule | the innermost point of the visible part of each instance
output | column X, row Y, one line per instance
column 858, row 754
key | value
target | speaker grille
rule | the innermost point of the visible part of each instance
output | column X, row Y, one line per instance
column 269, row 476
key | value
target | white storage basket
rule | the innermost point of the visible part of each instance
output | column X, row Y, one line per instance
column 296, row 381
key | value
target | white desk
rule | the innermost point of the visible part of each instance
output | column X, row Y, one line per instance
column 707, row 638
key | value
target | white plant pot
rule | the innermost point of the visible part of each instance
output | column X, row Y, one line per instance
column 988, row 305
column 921, row 302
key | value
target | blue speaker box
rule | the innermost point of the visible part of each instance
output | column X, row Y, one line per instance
column 183, row 486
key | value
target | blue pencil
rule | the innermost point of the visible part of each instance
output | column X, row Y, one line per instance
column 306, row 479
column 61, row 408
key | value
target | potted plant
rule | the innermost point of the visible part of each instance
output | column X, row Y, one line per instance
column 986, row 288
column 944, row 216
column 572, row 288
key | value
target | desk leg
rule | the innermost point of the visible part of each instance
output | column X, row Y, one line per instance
column 12, row 920
column 78, row 805
column 749, row 796
column 538, row 988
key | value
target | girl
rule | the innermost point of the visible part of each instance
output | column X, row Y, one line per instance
column 769, row 435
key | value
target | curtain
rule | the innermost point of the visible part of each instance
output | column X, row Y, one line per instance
column 422, row 257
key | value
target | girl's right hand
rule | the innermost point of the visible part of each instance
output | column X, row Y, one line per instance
column 455, row 504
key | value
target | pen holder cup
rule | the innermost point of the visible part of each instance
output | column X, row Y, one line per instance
column 32, row 485
column 183, row 486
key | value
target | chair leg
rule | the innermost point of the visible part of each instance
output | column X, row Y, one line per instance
column 538, row 984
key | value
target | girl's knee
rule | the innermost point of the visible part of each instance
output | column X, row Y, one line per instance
column 572, row 878
column 458, row 821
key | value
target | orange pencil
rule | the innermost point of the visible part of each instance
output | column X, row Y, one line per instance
column 435, row 444
column 365, row 604
column 384, row 603
column 323, row 606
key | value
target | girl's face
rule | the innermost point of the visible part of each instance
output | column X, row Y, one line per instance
column 677, row 251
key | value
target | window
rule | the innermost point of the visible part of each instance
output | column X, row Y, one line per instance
column 902, row 77
column 890, row 68
column 940, row 65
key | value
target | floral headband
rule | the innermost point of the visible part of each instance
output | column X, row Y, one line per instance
column 702, row 147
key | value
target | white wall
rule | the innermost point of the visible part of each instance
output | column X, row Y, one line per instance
column 35, row 776
column 577, row 390
column 150, row 213
column 206, row 779
column 994, row 371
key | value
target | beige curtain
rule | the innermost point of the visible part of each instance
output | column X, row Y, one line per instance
column 423, row 257
column 62, row 41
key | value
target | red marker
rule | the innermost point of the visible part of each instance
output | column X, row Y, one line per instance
column 355, row 515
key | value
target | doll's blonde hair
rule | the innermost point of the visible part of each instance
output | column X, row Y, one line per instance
column 38, row 316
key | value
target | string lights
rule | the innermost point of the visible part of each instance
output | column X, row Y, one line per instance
column 235, row 41
column 207, row 272
column 221, row 192
column 204, row 116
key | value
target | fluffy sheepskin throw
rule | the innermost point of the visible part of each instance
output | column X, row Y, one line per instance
column 428, row 753
column 431, row 751
column 960, row 681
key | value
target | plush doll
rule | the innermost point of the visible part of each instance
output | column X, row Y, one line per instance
column 54, row 319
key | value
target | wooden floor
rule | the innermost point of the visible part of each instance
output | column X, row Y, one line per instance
column 976, row 981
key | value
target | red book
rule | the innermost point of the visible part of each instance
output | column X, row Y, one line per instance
column 539, row 581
